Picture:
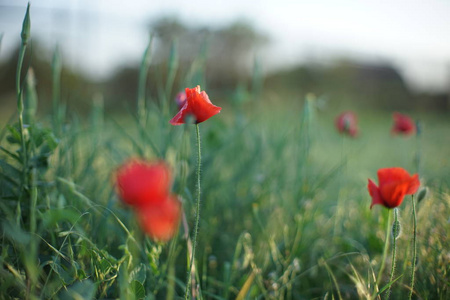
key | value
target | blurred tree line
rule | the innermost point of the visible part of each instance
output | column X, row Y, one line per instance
column 354, row 84
column 222, row 60
column 75, row 86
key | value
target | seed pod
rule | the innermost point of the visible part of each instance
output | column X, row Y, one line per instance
column 25, row 34
column 423, row 193
column 396, row 227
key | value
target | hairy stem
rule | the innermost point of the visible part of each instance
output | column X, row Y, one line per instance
column 197, row 215
column 413, row 267
column 385, row 250
column 394, row 237
column 25, row 35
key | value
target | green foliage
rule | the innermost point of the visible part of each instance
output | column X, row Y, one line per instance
column 285, row 209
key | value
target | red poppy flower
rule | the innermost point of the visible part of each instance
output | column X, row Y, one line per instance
column 403, row 124
column 394, row 184
column 180, row 99
column 141, row 183
column 198, row 105
column 161, row 221
column 347, row 123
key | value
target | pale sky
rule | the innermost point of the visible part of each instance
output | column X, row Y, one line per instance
column 96, row 36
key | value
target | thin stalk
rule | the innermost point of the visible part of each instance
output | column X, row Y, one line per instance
column 25, row 35
column 337, row 218
column 418, row 158
column 56, row 89
column 31, row 259
column 385, row 250
column 145, row 65
column 413, row 267
column 197, row 217
column 20, row 107
column 394, row 237
column 171, row 73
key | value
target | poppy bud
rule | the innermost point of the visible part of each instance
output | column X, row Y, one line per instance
column 423, row 193
column 403, row 124
column 25, row 34
column 396, row 228
column 347, row 123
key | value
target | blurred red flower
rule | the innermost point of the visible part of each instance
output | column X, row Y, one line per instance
column 140, row 182
column 146, row 186
column 394, row 184
column 403, row 124
column 161, row 221
column 180, row 99
column 347, row 123
column 198, row 105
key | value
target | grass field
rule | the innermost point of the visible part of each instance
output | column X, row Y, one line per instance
column 284, row 213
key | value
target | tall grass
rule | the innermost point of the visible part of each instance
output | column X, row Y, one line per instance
column 276, row 185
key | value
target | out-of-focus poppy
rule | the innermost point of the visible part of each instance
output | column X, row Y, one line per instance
column 146, row 186
column 140, row 183
column 394, row 184
column 160, row 222
column 403, row 124
column 198, row 105
column 347, row 123
column 180, row 99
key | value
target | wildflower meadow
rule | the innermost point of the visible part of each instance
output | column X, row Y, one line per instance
column 193, row 195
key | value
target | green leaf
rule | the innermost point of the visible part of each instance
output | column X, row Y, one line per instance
column 51, row 142
column 388, row 285
column 8, row 188
column 81, row 290
column 137, row 289
column 14, row 138
column 138, row 274
column 81, row 274
column 53, row 216
column 65, row 276
column 11, row 154
column 9, row 170
column 15, row 233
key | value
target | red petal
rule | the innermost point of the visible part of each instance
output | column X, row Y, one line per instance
column 160, row 222
column 393, row 193
column 394, row 184
column 140, row 182
column 414, row 185
column 375, row 194
column 389, row 175
column 179, row 117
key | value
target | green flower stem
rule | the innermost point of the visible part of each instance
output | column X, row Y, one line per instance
column 394, row 237
column 56, row 89
column 197, row 217
column 143, row 70
column 386, row 246
column 172, row 68
column 413, row 267
column 20, row 107
column 25, row 35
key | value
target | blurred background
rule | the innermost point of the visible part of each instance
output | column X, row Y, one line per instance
column 284, row 195
column 365, row 54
